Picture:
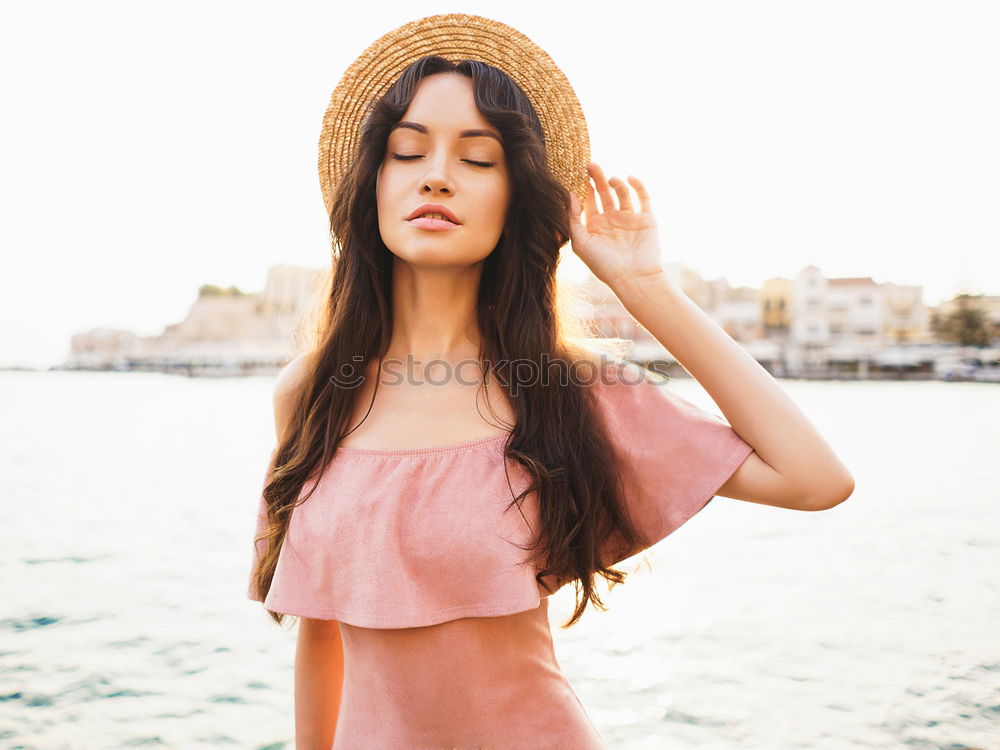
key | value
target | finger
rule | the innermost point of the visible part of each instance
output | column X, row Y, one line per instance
column 590, row 203
column 640, row 190
column 577, row 231
column 621, row 190
column 574, row 209
column 603, row 189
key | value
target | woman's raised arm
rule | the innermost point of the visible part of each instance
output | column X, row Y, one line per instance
column 792, row 466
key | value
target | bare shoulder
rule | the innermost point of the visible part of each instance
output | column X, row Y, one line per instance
column 604, row 366
column 291, row 376
column 286, row 389
column 584, row 356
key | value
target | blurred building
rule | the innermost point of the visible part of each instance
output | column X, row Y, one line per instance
column 807, row 325
column 907, row 318
column 225, row 330
column 775, row 302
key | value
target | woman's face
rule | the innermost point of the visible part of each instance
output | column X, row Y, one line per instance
column 443, row 152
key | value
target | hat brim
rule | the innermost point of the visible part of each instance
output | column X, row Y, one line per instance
column 456, row 37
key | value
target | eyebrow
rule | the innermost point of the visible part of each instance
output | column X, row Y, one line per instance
column 475, row 133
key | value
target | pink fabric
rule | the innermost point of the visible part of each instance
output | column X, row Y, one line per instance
column 445, row 629
column 471, row 683
column 675, row 455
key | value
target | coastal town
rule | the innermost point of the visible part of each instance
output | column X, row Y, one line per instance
column 805, row 326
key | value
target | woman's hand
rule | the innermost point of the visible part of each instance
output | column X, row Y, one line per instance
column 618, row 244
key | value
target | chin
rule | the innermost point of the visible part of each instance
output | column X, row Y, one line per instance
column 437, row 255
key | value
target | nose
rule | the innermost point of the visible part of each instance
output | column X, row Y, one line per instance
column 437, row 180
column 436, row 185
column 429, row 188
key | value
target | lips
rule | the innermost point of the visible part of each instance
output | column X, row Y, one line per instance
column 426, row 222
column 434, row 208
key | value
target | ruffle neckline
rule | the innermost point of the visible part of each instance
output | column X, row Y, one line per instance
column 467, row 445
column 410, row 537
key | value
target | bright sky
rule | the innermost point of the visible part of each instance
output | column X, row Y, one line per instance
column 149, row 148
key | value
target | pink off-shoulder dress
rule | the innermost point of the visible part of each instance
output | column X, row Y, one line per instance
column 446, row 636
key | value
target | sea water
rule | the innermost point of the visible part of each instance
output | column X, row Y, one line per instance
column 128, row 506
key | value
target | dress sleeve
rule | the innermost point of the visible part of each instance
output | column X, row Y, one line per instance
column 673, row 455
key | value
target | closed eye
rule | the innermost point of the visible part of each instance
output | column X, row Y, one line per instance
column 411, row 157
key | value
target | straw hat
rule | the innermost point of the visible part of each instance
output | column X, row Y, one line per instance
column 457, row 36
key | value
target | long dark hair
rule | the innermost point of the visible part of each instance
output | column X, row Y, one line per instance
column 558, row 437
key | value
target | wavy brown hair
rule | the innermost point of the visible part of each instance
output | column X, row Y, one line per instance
column 558, row 436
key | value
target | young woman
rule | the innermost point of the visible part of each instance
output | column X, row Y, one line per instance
column 448, row 456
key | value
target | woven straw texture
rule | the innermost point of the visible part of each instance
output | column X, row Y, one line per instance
column 457, row 36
